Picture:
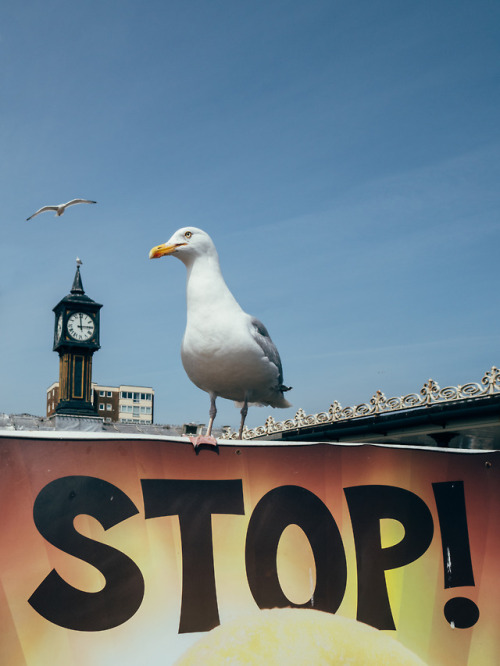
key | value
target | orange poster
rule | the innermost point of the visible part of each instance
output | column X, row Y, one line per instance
column 133, row 550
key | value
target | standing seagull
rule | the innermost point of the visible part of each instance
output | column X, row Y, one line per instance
column 225, row 351
column 60, row 208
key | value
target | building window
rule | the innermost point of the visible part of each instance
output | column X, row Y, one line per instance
column 101, row 393
column 110, row 394
column 101, row 407
column 109, row 407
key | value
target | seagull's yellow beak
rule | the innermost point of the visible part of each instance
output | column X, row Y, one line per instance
column 163, row 249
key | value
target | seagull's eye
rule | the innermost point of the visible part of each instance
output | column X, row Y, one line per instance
column 188, row 234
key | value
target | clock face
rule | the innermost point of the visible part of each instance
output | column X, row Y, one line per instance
column 59, row 328
column 81, row 326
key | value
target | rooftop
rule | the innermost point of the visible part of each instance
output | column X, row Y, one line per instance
column 29, row 422
column 464, row 416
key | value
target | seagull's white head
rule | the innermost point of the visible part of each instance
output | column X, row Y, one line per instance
column 187, row 244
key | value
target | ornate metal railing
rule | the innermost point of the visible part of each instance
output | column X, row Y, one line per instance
column 430, row 394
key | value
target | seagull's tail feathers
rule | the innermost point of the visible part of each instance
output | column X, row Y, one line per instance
column 278, row 399
column 280, row 402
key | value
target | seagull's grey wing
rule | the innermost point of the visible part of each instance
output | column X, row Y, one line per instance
column 42, row 210
column 75, row 201
column 263, row 339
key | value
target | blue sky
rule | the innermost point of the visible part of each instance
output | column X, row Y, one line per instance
column 344, row 157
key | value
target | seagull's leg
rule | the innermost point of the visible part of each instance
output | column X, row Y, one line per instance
column 244, row 412
column 212, row 413
column 207, row 438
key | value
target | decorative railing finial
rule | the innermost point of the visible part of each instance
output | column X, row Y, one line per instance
column 429, row 394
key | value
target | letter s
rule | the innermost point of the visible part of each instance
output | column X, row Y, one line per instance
column 54, row 511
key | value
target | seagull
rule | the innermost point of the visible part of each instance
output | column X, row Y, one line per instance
column 59, row 209
column 225, row 351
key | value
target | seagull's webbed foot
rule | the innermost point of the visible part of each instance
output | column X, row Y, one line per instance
column 206, row 440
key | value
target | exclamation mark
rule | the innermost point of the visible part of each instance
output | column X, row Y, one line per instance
column 460, row 612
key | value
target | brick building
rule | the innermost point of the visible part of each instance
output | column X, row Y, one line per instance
column 116, row 404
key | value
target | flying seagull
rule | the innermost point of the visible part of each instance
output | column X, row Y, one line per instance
column 225, row 351
column 59, row 209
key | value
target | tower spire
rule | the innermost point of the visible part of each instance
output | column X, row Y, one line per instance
column 77, row 287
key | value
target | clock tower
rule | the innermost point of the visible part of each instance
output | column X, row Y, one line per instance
column 76, row 338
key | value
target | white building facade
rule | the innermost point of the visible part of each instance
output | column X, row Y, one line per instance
column 126, row 403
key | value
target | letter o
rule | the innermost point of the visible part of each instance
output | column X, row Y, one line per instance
column 294, row 505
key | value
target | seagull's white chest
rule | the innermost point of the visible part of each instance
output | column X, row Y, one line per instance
column 221, row 356
column 220, row 352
